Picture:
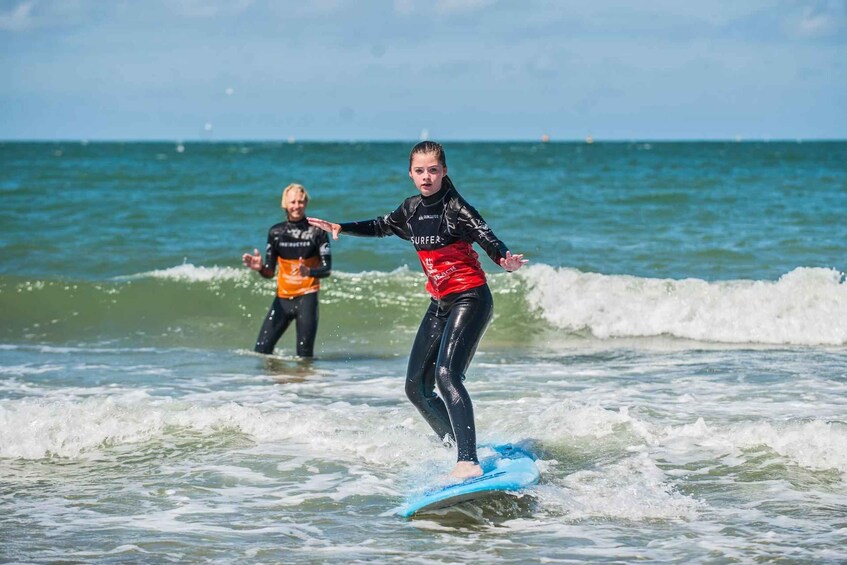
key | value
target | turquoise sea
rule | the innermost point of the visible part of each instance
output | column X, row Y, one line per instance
column 675, row 354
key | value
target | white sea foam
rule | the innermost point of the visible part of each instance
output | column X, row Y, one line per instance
column 188, row 272
column 807, row 306
column 191, row 273
column 29, row 369
column 632, row 489
column 74, row 427
column 34, row 429
column 815, row 445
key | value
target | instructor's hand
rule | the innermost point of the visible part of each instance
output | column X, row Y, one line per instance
column 302, row 269
column 334, row 229
column 253, row 261
column 513, row 262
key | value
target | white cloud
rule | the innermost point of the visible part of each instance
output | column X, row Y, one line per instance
column 289, row 10
column 319, row 7
column 440, row 7
column 19, row 18
column 30, row 15
column 446, row 7
column 208, row 8
column 404, row 7
column 824, row 19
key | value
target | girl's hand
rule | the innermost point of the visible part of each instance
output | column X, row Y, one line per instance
column 513, row 262
column 334, row 229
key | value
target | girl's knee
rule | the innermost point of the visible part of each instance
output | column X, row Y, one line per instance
column 447, row 378
column 450, row 385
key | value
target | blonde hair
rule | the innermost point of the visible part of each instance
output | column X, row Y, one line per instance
column 294, row 186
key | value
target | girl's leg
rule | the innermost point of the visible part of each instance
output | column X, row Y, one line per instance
column 420, row 375
column 468, row 318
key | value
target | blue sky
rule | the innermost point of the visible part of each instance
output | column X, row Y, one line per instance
column 394, row 69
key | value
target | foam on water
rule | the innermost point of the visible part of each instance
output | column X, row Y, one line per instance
column 816, row 445
column 239, row 456
column 807, row 306
column 377, row 311
column 188, row 272
column 74, row 423
column 191, row 273
column 632, row 489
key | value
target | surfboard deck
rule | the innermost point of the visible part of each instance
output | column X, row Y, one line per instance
column 510, row 468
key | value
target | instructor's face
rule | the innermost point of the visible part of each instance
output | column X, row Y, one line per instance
column 295, row 205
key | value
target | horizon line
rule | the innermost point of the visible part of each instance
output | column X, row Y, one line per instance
column 589, row 140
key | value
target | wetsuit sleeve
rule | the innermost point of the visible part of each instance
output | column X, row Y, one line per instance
column 365, row 228
column 325, row 256
column 269, row 266
column 473, row 227
column 390, row 224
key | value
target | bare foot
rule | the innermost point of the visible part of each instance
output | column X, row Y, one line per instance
column 466, row 470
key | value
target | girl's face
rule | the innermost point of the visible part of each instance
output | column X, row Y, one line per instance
column 295, row 205
column 427, row 172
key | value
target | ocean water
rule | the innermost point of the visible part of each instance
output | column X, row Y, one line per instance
column 675, row 354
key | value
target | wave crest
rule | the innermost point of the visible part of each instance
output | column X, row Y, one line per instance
column 807, row 306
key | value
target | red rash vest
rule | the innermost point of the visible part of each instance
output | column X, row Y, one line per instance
column 443, row 228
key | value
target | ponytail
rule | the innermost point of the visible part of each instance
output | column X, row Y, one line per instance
column 448, row 184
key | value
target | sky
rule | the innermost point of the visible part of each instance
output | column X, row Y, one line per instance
column 361, row 70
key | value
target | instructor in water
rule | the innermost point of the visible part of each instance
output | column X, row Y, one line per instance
column 443, row 227
column 301, row 252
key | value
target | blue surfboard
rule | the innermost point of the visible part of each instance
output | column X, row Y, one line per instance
column 509, row 469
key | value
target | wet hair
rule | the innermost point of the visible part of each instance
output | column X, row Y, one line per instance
column 297, row 187
column 426, row 147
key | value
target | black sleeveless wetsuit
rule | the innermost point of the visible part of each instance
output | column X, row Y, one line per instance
column 297, row 296
column 443, row 228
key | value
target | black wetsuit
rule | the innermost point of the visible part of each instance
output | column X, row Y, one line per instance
column 297, row 296
column 443, row 228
